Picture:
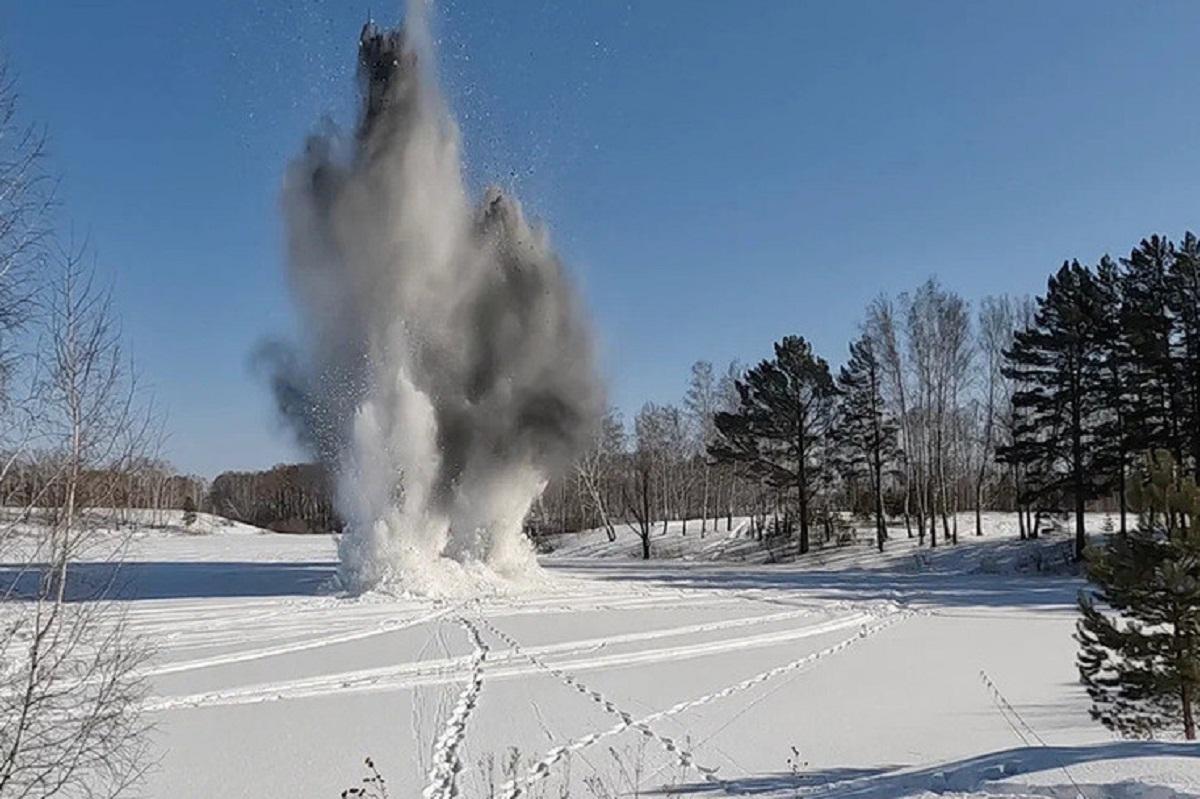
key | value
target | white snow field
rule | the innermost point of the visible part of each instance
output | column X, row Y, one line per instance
column 948, row 674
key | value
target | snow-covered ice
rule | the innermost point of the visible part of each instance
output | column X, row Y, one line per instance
column 949, row 675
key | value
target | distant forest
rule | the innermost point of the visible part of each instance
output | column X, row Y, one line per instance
column 1037, row 406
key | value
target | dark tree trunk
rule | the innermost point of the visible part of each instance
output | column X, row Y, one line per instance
column 880, row 521
column 802, row 484
column 645, row 515
column 1189, row 721
column 803, row 521
column 932, row 518
column 1182, row 647
column 1077, row 471
column 1121, row 492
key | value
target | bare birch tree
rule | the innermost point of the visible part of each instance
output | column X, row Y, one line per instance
column 884, row 330
column 701, row 403
column 995, row 336
column 727, row 400
column 70, row 694
column 938, row 328
column 595, row 469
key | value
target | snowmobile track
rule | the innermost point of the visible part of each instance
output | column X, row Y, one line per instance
column 298, row 646
column 418, row 674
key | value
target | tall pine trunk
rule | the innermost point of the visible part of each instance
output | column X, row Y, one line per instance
column 1189, row 721
column 802, row 484
column 877, row 474
column 1077, row 470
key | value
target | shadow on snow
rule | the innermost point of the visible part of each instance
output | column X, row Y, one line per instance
column 933, row 589
column 959, row 776
column 135, row 580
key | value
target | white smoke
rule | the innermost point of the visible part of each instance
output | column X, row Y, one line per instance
column 446, row 369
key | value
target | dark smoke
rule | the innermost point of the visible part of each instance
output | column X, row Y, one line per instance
column 446, row 368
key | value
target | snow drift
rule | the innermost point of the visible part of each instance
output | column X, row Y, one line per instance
column 445, row 368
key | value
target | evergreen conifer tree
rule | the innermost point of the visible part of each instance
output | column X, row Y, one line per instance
column 780, row 428
column 1149, row 326
column 1122, row 412
column 1058, row 362
column 865, row 434
column 1140, row 657
column 1183, row 301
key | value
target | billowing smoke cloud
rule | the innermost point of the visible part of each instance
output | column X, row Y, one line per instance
column 446, row 370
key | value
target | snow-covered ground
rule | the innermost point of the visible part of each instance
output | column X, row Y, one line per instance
column 903, row 675
column 735, row 540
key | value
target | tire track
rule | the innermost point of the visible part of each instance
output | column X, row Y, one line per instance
column 541, row 769
column 295, row 646
column 443, row 774
column 430, row 673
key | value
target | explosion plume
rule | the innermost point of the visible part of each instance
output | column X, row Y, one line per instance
column 445, row 369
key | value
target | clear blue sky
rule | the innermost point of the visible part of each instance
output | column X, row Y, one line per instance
column 716, row 174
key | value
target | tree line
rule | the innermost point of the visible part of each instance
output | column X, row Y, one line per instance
column 1036, row 406
column 1031, row 405
column 1108, row 369
column 288, row 498
column 31, row 479
column 906, row 431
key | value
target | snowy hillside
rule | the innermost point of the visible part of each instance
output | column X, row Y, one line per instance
column 138, row 522
column 892, row 676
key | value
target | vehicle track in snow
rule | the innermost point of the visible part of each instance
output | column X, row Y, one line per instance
column 541, row 769
column 295, row 646
column 216, row 631
column 579, row 656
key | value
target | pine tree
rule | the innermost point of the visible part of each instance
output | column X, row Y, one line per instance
column 1123, row 413
column 865, row 434
column 1058, row 362
column 780, row 427
column 1141, row 662
column 1012, row 446
column 1150, row 329
column 1183, row 301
